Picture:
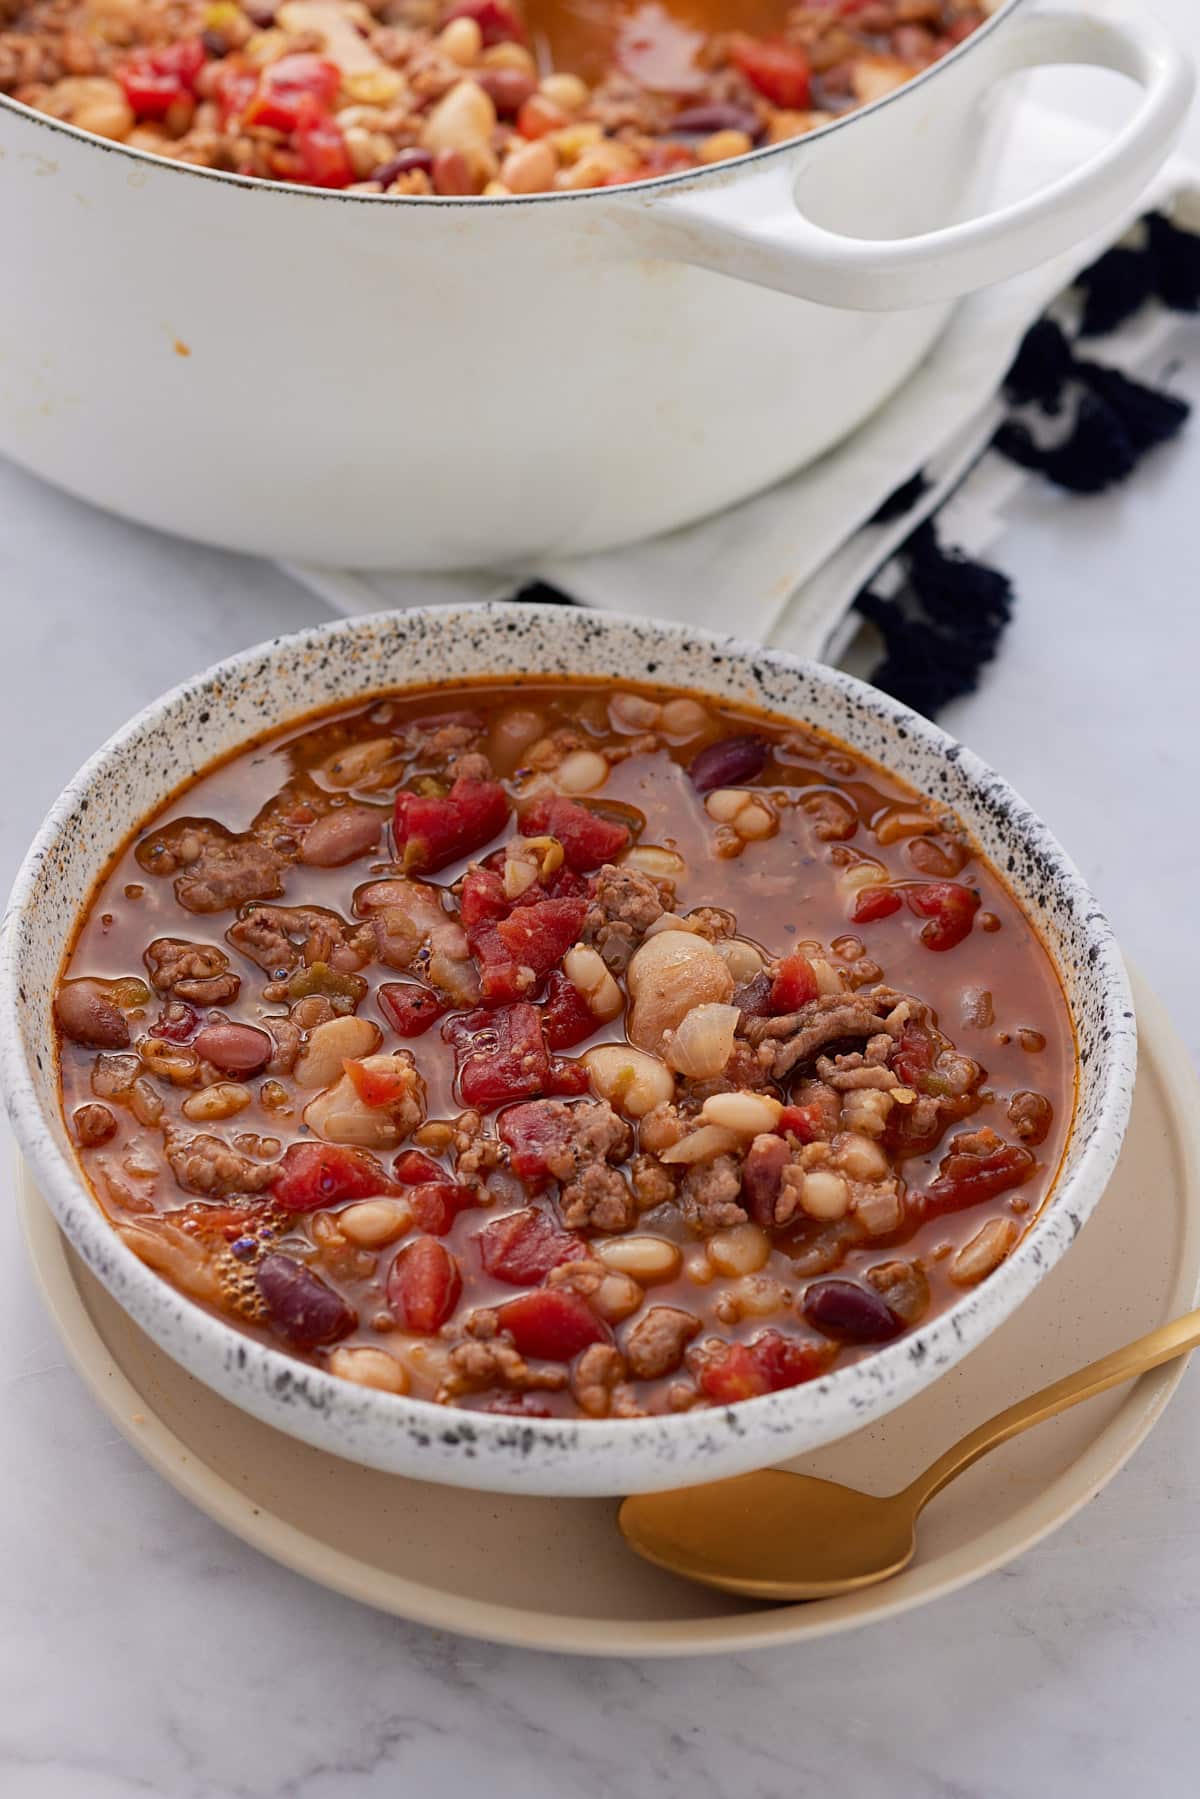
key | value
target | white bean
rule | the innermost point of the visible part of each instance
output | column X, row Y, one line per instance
column 618, row 1296
column 370, row 1368
column 582, row 772
column 652, row 859
column 647, row 1259
column 372, row 1222
column 329, row 1045
column 586, row 970
column 860, row 1157
column 700, row 1146
column 746, row 1114
column 744, row 1249
column 222, row 1100
column 824, row 1195
column 629, row 1079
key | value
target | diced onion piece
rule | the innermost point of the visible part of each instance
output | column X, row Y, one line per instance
column 829, row 978
column 700, row 1047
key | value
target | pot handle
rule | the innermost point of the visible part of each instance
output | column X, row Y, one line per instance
column 752, row 228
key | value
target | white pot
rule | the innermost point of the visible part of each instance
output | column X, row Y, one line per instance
column 276, row 683
column 436, row 383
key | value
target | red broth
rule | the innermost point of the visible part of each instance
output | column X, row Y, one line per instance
column 351, row 1105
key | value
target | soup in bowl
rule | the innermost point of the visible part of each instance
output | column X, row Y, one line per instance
column 597, row 1078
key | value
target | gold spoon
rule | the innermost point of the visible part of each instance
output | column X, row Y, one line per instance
column 776, row 1535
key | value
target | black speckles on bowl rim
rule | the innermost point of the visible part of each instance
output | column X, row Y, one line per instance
column 267, row 686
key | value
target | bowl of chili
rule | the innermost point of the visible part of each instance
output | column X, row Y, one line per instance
column 636, row 1058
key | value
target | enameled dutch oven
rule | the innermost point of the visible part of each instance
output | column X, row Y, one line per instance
column 430, row 382
column 263, row 688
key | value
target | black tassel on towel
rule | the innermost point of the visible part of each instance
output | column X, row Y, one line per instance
column 944, row 626
column 1114, row 422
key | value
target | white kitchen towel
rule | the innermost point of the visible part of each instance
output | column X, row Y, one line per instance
column 785, row 565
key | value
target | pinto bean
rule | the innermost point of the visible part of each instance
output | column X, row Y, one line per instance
column 235, row 1048
column 342, row 836
column 87, row 1015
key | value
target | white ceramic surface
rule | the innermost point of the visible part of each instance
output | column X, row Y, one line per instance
column 341, row 378
column 265, row 687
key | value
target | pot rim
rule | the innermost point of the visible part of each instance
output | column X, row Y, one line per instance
column 714, row 175
column 493, row 1444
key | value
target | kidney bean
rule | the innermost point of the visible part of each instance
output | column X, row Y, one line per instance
column 507, row 89
column 303, row 1309
column 235, row 1048
column 728, row 763
column 341, row 836
column 403, row 164
column 844, row 1309
column 86, row 1015
column 702, row 120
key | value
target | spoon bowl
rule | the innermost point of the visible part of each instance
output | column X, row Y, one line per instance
column 758, row 1531
column 776, row 1535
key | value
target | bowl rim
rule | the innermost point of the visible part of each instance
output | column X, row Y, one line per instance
column 930, row 1349
column 711, row 176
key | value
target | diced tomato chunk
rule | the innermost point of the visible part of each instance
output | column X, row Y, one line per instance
column 539, row 936
column 768, row 1364
column 566, row 1016
column 500, row 1055
column 914, row 1057
column 233, row 88
column 321, row 150
column 154, row 79
column 872, row 903
column 779, row 71
column 966, row 1177
column 412, row 1167
column 376, row 1086
column 523, row 1247
column 732, row 1374
column 499, row 22
column 586, row 838
column 313, row 1175
column 409, row 1008
column 806, row 1122
column 950, row 908
column 288, row 89
column 432, row 830
column 567, row 1076
column 793, row 985
column 436, row 1204
column 789, row 1361
column 539, row 1135
column 552, row 1324
column 481, row 899
column 423, row 1285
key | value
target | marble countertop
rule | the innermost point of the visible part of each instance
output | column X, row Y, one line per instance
column 145, row 1652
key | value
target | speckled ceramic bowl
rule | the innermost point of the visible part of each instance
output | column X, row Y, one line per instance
column 279, row 682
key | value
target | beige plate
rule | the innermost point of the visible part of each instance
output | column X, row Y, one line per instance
column 554, row 1574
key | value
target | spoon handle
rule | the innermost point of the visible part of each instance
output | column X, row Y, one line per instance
column 1158, row 1346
